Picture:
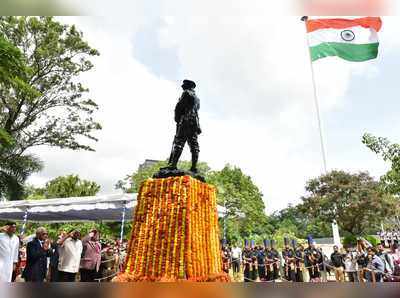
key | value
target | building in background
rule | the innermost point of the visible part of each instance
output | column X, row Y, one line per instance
column 148, row 163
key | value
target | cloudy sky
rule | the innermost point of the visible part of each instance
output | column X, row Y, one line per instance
column 257, row 108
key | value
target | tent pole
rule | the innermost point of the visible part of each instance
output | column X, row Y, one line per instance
column 24, row 222
column 122, row 224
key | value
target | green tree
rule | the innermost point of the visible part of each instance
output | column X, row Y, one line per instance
column 68, row 186
column 244, row 203
column 294, row 220
column 14, row 169
column 390, row 182
column 355, row 201
column 41, row 100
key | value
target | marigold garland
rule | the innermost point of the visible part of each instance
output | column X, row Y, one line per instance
column 175, row 234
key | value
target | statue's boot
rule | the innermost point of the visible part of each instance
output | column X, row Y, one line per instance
column 195, row 159
column 173, row 159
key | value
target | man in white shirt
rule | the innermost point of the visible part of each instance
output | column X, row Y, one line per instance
column 9, row 251
column 70, row 252
column 236, row 259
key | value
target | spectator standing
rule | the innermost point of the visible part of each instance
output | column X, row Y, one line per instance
column 375, row 266
column 382, row 237
column 236, row 257
column 54, row 259
column 389, row 237
column 337, row 260
column 351, row 265
column 386, row 259
column 91, row 259
column 70, row 252
column 109, row 264
column 226, row 258
column 362, row 258
column 395, row 235
column 37, row 252
column 9, row 251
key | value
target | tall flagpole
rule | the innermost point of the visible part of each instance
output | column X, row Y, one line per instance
column 321, row 136
column 335, row 229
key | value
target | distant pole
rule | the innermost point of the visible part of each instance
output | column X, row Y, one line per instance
column 321, row 136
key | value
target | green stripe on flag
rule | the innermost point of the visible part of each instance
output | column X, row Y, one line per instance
column 347, row 51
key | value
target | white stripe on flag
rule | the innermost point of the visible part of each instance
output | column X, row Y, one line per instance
column 361, row 36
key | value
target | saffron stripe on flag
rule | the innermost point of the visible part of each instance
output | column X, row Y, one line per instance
column 368, row 22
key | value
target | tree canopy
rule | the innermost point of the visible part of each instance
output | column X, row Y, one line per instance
column 42, row 101
column 64, row 187
column 355, row 201
column 390, row 153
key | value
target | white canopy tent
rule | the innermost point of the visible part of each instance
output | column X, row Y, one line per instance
column 98, row 208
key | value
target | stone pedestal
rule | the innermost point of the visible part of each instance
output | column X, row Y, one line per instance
column 175, row 233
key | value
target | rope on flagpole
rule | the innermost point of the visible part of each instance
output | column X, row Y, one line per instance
column 321, row 136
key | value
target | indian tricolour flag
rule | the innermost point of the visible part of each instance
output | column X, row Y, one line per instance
column 349, row 39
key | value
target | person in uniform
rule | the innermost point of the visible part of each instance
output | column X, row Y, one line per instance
column 274, row 258
column 254, row 266
column 187, row 126
column 289, row 258
column 299, row 263
column 247, row 260
column 261, row 262
column 312, row 258
column 268, row 261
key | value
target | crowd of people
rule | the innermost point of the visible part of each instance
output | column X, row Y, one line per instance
column 68, row 258
column 389, row 237
column 298, row 263
column 71, row 258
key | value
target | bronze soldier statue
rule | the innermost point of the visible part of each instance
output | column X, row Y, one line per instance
column 187, row 130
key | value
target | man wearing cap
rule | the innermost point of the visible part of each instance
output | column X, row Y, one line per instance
column 268, row 260
column 311, row 260
column 247, row 261
column 9, row 251
column 289, row 257
column 261, row 255
column 187, row 126
column 299, row 254
column 273, row 261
